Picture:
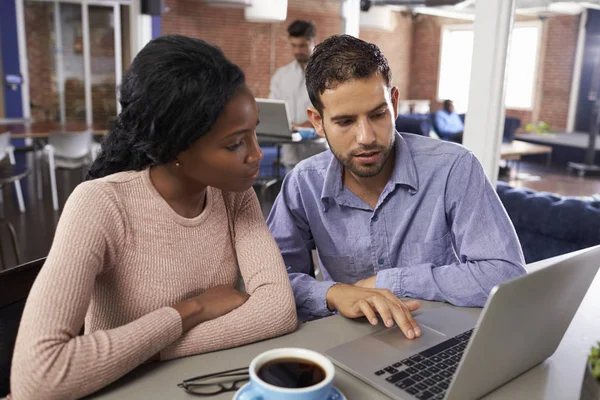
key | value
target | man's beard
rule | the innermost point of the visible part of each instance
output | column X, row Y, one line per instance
column 302, row 58
column 363, row 171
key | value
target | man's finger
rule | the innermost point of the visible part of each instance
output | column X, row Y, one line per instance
column 407, row 307
column 365, row 308
column 383, row 309
column 412, row 305
column 409, row 317
column 403, row 319
column 389, row 295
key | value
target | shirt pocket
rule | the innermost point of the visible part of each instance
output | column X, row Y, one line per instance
column 340, row 268
column 438, row 252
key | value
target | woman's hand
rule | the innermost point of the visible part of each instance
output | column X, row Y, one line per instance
column 211, row 304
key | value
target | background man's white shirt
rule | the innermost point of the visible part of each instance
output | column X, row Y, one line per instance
column 288, row 83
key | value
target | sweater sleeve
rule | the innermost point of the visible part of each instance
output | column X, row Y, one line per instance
column 50, row 360
column 270, row 311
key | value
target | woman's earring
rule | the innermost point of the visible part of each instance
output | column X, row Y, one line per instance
column 177, row 163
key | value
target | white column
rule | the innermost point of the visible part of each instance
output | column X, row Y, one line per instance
column 576, row 80
column 87, row 63
column 350, row 13
column 58, row 58
column 140, row 28
column 23, row 63
column 134, row 11
column 118, row 51
column 484, row 124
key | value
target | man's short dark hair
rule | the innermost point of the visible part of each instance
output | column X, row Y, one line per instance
column 339, row 59
column 447, row 103
column 301, row 28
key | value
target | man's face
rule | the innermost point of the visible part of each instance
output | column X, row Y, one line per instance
column 302, row 48
column 358, row 122
column 450, row 107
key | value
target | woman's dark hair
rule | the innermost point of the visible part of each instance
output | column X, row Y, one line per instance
column 339, row 59
column 172, row 94
column 301, row 28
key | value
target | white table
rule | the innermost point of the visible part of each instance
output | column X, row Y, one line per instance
column 559, row 377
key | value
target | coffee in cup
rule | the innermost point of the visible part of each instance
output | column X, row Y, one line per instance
column 289, row 374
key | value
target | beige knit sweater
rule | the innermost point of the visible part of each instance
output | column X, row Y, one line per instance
column 120, row 258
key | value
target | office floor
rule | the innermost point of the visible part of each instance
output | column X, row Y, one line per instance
column 35, row 228
column 552, row 179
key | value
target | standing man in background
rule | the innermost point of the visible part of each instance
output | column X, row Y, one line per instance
column 288, row 84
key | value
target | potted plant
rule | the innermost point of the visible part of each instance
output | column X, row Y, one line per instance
column 540, row 127
column 591, row 377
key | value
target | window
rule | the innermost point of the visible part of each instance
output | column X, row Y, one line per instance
column 77, row 51
column 521, row 71
column 522, row 67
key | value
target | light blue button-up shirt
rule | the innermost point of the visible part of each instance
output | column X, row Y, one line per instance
column 438, row 231
column 448, row 124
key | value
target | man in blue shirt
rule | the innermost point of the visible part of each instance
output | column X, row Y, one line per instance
column 448, row 124
column 391, row 215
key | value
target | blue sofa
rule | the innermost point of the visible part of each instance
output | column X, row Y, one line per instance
column 549, row 225
column 419, row 124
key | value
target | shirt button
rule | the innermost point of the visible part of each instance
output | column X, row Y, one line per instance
column 375, row 218
column 380, row 261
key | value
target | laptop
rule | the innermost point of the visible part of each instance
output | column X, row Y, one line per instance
column 460, row 357
column 275, row 119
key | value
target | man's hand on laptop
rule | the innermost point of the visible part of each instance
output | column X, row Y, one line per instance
column 355, row 302
column 368, row 283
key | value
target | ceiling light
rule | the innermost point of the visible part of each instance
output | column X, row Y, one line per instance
column 565, row 7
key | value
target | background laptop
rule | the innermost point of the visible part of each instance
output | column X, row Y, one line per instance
column 275, row 121
column 521, row 325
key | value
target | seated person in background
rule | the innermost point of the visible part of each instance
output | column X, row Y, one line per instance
column 391, row 215
column 288, row 84
column 149, row 251
column 448, row 123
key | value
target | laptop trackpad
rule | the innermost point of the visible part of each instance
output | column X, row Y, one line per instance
column 436, row 326
column 395, row 338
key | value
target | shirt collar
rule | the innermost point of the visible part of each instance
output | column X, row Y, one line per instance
column 298, row 67
column 404, row 173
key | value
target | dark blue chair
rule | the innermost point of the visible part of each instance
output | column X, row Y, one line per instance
column 15, row 284
column 419, row 124
column 511, row 124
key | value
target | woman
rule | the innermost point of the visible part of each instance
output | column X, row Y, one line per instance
column 148, row 252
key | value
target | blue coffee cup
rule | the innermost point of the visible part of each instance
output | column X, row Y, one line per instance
column 261, row 390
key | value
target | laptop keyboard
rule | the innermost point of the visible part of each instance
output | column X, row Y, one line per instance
column 427, row 375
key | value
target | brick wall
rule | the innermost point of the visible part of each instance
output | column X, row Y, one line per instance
column 42, row 80
column 559, row 42
column 425, row 58
column 558, row 64
column 397, row 46
column 258, row 48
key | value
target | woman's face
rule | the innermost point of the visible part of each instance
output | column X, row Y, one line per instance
column 228, row 156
